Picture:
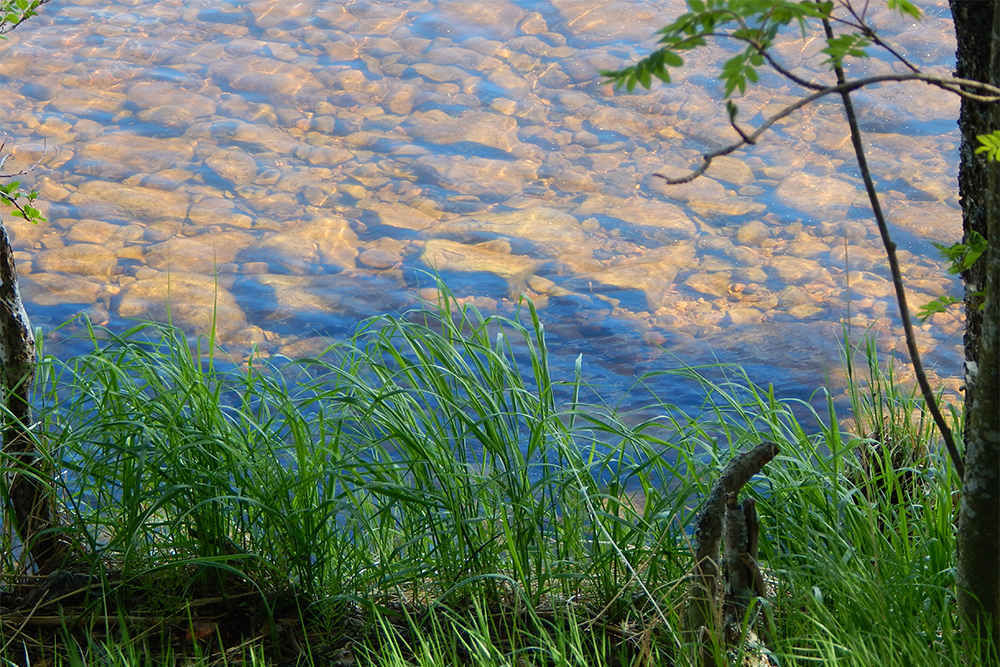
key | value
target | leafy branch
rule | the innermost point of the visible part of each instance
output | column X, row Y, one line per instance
column 12, row 195
column 15, row 12
column 756, row 23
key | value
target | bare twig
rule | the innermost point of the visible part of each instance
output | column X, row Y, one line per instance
column 949, row 83
column 897, row 275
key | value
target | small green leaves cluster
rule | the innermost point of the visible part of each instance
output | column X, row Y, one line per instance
column 990, row 144
column 904, row 7
column 961, row 257
column 841, row 46
column 16, row 12
column 12, row 195
column 755, row 23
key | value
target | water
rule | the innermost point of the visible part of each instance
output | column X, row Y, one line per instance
column 295, row 168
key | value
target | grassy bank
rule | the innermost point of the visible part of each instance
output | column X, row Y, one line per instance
column 427, row 493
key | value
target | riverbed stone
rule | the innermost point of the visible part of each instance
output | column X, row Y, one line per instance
column 83, row 259
column 809, row 193
column 553, row 231
column 56, row 289
column 204, row 253
column 88, row 102
column 308, row 248
column 731, row 170
column 497, row 19
column 123, row 154
column 152, row 94
column 444, row 255
column 609, row 20
column 377, row 258
column 218, row 211
column 932, row 221
column 169, row 117
column 715, row 283
column 194, row 302
column 117, row 201
column 616, row 119
column 265, row 76
column 473, row 175
column 870, row 285
column 401, row 216
column 24, row 233
column 91, row 231
column 660, row 220
column 482, row 129
column 753, row 233
column 234, row 166
column 796, row 270
column 653, row 274
column 744, row 316
column 857, row 257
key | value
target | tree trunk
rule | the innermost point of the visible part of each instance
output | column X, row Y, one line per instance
column 977, row 28
column 28, row 493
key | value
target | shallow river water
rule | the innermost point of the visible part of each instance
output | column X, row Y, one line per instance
column 298, row 166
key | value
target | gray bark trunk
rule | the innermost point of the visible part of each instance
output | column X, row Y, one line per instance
column 28, row 493
column 977, row 27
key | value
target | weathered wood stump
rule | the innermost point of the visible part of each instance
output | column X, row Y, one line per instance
column 713, row 615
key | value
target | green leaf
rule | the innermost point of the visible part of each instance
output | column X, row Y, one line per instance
column 842, row 46
column 990, row 144
column 962, row 256
column 904, row 7
column 938, row 305
column 672, row 59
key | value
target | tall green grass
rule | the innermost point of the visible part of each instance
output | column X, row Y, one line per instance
column 431, row 474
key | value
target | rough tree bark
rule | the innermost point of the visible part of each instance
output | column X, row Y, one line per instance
column 28, row 494
column 977, row 28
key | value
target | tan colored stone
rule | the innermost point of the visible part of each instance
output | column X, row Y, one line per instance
column 56, row 289
column 402, row 216
column 194, row 302
column 84, row 259
column 104, row 200
column 309, row 247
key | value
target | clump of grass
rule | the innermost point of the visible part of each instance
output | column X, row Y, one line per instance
column 427, row 493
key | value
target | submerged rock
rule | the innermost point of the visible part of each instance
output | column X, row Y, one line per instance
column 84, row 259
column 402, row 216
column 265, row 76
column 121, row 155
column 308, row 248
column 659, row 220
column 233, row 166
column 807, row 192
column 196, row 303
column 105, row 200
column 477, row 129
column 442, row 255
column 56, row 289
column 473, row 176
column 557, row 232
column 652, row 274
column 205, row 253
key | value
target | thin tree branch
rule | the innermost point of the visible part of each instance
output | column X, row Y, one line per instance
column 949, row 83
column 897, row 276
